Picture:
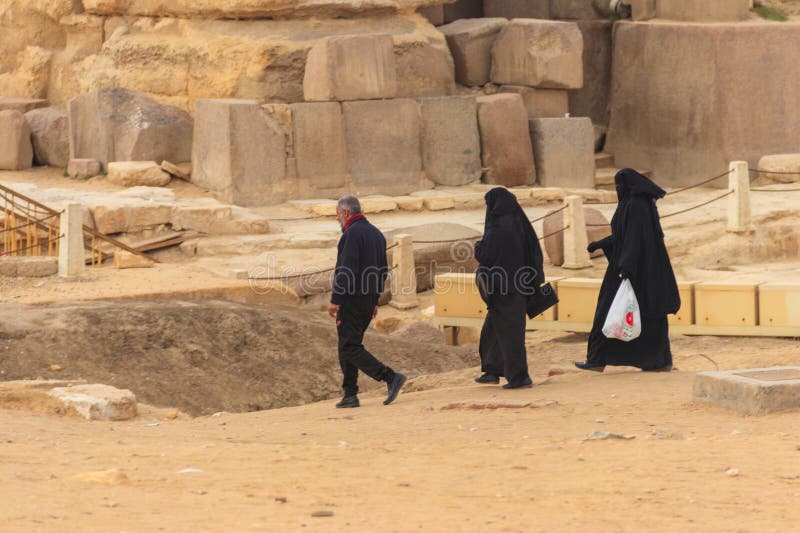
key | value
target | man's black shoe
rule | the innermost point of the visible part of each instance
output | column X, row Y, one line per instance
column 488, row 378
column 586, row 365
column 348, row 401
column 525, row 383
column 394, row 387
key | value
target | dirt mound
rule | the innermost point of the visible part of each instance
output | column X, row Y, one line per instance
column 201, row 357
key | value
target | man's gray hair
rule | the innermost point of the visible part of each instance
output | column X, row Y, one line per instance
column 350, row 203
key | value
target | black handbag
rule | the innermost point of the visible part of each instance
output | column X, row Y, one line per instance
column 544, row 298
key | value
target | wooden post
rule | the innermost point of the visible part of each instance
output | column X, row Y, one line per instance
column 739, row 201
column 575, row 238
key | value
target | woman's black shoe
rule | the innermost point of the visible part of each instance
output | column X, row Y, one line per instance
column 586, row 365
column 488, row 378
column 348, row 402
column 525, row 383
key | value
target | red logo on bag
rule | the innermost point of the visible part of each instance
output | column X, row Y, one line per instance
column 629, row 318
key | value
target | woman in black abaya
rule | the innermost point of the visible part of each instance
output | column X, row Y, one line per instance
column 510, row 269
column 635, row 250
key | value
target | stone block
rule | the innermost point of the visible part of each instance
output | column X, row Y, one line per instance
column 110, row 219
column 685, row 140
column 469, row 200
column 125, row 259
column 377, row 204
column 319, row 144
column 117, row 124
column 35, row 267
column 23, row 105
column 597, row 228
column 463, row 9
column 424, row 69
column 574, row 9
column 50, row 135
column 239, row 151
column 434, row 14
column 97, row 402
column 180, row 170
column 517, row 9
column 563, row 149
column 409, row 203
column 199, row 217
column 784, row 168
column 242, row 222
column 141, row 216
column 725, row 304
column 705, row 11
column 137, row 173
column 435, row 200
column 594, row 98
column 541, row 103
column 451, row 149
column 506, row 150
column 324, row 209
column 16, row 149
column 753, row 391
column 351, row 67
column 642, row 10
column 539, row 53
column 383, row 145
column 84, row 168
column 470, row 42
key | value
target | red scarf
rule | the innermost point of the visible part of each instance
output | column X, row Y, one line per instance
column 352, row 219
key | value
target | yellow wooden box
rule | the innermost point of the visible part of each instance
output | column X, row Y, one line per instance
column 779, row 304
column 577, row 299
column 726, row 304
column 685, row 316
column 457, row 295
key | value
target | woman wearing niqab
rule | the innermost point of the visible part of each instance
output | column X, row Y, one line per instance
column 635, row 250
column 510, row 269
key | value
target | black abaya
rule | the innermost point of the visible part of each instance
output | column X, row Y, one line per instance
column 636, row 250
column 510, row 270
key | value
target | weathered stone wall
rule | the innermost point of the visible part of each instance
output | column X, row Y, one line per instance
column 724, row 92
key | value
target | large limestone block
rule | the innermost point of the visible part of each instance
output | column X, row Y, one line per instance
column 239, row 151
column 470, row 42
column 23, row 105
column 780, row 167
column 121, row 125
column 252, row 9
column 463, row 9
column 319, row 144
column 506, row 149
column 98, row 402
column 434, row 14
column 383, row 145
column 451, row 149
column 705, row 11
column 50, row 135
column 574, row 9
column 351, row 67
column 425, row 70
column 517, row 9
column 84, row 168
column 564, row 152
column 541, row 103
column 697, row 114
column 16, row 150
column 594, row 98
column 539, row 53
column 137, row 173
column 643, row 9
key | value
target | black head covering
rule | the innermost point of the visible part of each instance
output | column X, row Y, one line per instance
column 631, row 183
column 502, row 207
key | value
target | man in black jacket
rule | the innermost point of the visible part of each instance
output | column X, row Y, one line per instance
column 358, row 281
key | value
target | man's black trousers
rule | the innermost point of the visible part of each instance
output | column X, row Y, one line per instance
column 353, row 319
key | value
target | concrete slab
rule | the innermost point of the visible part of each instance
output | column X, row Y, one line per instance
column 754, row 391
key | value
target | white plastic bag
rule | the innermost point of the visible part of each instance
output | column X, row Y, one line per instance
column 624, row 321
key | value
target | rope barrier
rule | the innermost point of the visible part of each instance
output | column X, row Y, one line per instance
column 448, row 241
column 701, row 183
column 565, row 228
column 796, row 189
column 697, row 206
column 549, row 214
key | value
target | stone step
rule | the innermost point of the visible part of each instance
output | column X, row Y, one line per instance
column 603, row 160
